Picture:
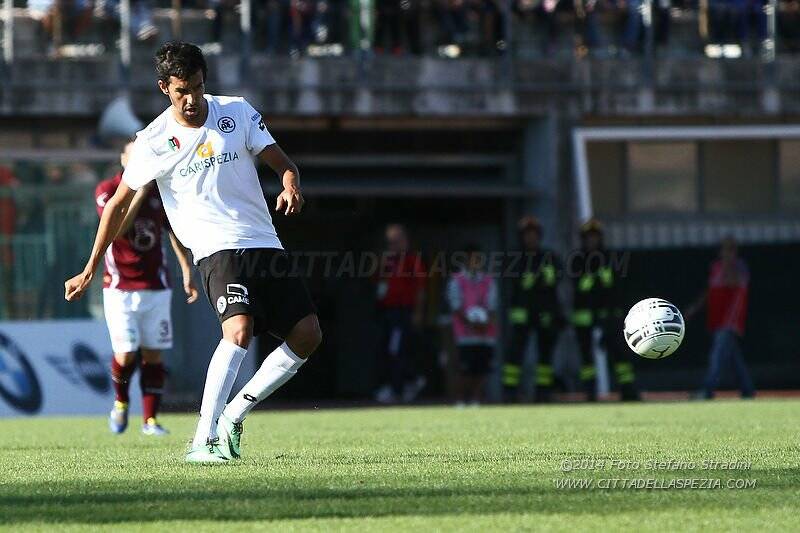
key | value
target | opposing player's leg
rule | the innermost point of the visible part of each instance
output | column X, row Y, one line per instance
column 122, row 368
column 152, row 379
column 278, row 368
column 155, row 323
column 123, row 330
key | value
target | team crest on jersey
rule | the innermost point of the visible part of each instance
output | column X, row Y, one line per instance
column 221, row 304
column 226, row 124
column 205, row 150
column 174, row 144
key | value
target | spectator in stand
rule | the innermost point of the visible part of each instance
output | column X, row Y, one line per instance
column 400, row 300
column 396, row 26
column 633, row 26
column 63, row 20
column 142, row 25
column 587, row 25
column 303, row 17
column 472, row 295
column 789, row 25
column 453, row 20
column 726, row 301
column 731, row 21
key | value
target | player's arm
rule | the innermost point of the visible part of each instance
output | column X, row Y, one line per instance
column 182, row 253
column 290, row 201
column 110, row 223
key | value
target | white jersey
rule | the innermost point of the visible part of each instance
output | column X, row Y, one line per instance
column 207, row 176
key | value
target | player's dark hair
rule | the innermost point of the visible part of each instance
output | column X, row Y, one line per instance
column 179, row 59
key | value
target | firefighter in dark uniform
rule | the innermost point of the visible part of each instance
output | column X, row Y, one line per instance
column 534, row 307
column 597, row 305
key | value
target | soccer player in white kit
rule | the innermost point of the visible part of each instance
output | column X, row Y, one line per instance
column 202, row 153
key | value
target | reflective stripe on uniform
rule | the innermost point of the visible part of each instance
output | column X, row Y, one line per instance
column 585, row 283
column 549, row 275
column 544, row 375
column 518, row 315
column 606, row 276
column 511, row 375
column 587, row 372
column 528, row 280
column 624, row 373
column 582, row 317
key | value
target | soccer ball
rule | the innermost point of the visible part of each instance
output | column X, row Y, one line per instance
column 654, row 328
column 477, row 315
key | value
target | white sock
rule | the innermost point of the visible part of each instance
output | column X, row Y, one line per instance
column 277, row 369
column 221, row 374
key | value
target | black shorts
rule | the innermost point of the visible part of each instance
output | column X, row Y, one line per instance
column 475, row 360
column 256, row 282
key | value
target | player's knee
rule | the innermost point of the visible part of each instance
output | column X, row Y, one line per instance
column 238, row 330
column 306, row 336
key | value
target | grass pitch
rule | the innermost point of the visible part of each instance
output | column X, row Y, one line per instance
column 491, row 468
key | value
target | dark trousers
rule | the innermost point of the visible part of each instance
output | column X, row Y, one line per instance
column 396, row 349
column 621, row 366
column 726, row 348
column 546, row 339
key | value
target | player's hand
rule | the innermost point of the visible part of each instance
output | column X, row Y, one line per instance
column 290, row 202
column 77, row 285
column 190, row 290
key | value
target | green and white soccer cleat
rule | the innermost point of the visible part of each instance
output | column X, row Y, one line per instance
column 207, row 453
column 230, row 437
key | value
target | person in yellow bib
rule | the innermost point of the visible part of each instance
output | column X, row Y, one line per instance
column 535, row 309
column 596, row 307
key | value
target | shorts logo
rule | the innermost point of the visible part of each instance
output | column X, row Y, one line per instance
column 205, row 150
column 174, row 144
column 226, row 124
column 221, row 304
column 237, row 294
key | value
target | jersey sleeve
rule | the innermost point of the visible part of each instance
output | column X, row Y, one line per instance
column 257, row 135
column 142, row 165
column 102, row 194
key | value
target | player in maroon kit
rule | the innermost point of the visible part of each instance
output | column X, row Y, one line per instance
column 136, row 299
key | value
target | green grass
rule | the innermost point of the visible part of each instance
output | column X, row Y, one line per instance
column 491, row 468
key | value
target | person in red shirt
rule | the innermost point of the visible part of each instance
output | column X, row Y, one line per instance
column 137, row 297
column 726, row 301
column 400, row 301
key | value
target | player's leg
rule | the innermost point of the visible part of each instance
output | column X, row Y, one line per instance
column 124, row 332
column 151, row 379
column 123, row 364
column 286, row 312
column 237, row 332
column 156, row 326
column 587, row 372
column 228, row 292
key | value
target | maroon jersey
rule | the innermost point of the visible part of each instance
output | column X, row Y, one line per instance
column 136, row 260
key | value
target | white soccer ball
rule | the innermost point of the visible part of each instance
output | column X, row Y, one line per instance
column 654, row 328
column 477, row 315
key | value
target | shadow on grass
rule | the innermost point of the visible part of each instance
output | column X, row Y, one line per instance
column 257, row 499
